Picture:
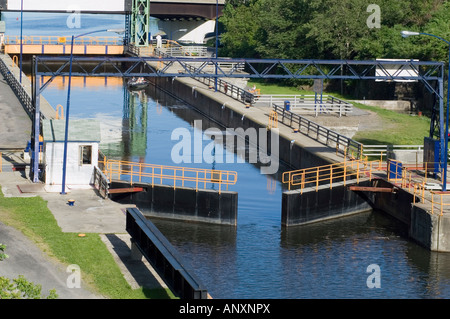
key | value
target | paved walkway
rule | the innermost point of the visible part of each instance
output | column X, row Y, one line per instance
column 90, row 214
column 15, row 125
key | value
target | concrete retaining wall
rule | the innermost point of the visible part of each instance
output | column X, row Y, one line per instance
column 213, row 108
column 182, row 203
column 398, row 204
column 325, row 203
column 431, row 231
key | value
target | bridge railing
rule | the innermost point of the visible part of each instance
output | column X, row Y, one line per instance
column 330, row 174
column 56, row 40
column 198, row 178
column 343, row 144
column 225, row 87
column 18, row 89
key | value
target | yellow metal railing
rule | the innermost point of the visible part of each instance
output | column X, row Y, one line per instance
column 440, row 203
column 273, row 120
column 57, row 40
column 172, row 175
column 408, row 175
column 330, row 174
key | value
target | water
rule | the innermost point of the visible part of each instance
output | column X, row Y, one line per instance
column 259, row 258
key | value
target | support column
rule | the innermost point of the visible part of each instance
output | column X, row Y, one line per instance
column 140, row 23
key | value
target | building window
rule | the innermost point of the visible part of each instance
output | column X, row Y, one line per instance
column 85, row 155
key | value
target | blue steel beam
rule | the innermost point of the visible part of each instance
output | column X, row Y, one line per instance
column 424, row 71
column 254, row 68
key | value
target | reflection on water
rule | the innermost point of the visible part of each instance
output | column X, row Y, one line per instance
column 259, row 258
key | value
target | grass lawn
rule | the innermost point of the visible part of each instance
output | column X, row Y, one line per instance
column 403, row 129
column 99, row 270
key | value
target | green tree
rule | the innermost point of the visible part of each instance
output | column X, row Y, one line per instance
column 283, row 28
column 240, row 26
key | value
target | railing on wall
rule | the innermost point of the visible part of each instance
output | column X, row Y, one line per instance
column 343, row 144
column 57, row 40
column 154, row 174
column 101, row 182
column 18, row 89
column 344, row 172
column 310, row 104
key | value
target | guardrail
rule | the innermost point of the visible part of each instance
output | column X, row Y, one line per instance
column 381, row 151
column 56, row 40
column 169, row 175
column 227, row 88
column 101, row 182
column 310, row 104
column 330, row 174
column 343, row 144
column 163, row 257
column 18, row 90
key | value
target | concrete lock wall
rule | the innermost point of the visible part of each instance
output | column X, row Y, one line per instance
column 431, row 231
column 300, row 208
column 181, row 203
column 291, row 154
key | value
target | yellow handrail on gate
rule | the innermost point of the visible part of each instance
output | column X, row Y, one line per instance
column 161, row 174
column 329, row 174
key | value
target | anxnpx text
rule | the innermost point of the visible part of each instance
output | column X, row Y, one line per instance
column 231, row 308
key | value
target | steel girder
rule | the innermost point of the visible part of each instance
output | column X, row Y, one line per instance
column 140, row 23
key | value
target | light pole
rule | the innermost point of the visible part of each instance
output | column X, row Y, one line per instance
column 406, row 34
column 217, row 41
column 66, row 133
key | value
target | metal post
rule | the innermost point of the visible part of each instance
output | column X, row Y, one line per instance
column 66, row 133
column 217, row 41
column 37, row 123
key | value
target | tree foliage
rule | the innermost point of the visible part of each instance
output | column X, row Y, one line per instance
column 334, row 29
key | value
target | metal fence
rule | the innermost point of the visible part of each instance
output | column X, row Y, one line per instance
column 343, row 144
column 24, row 98
column 56, row 40
column 175, row 176
column 310, row 104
